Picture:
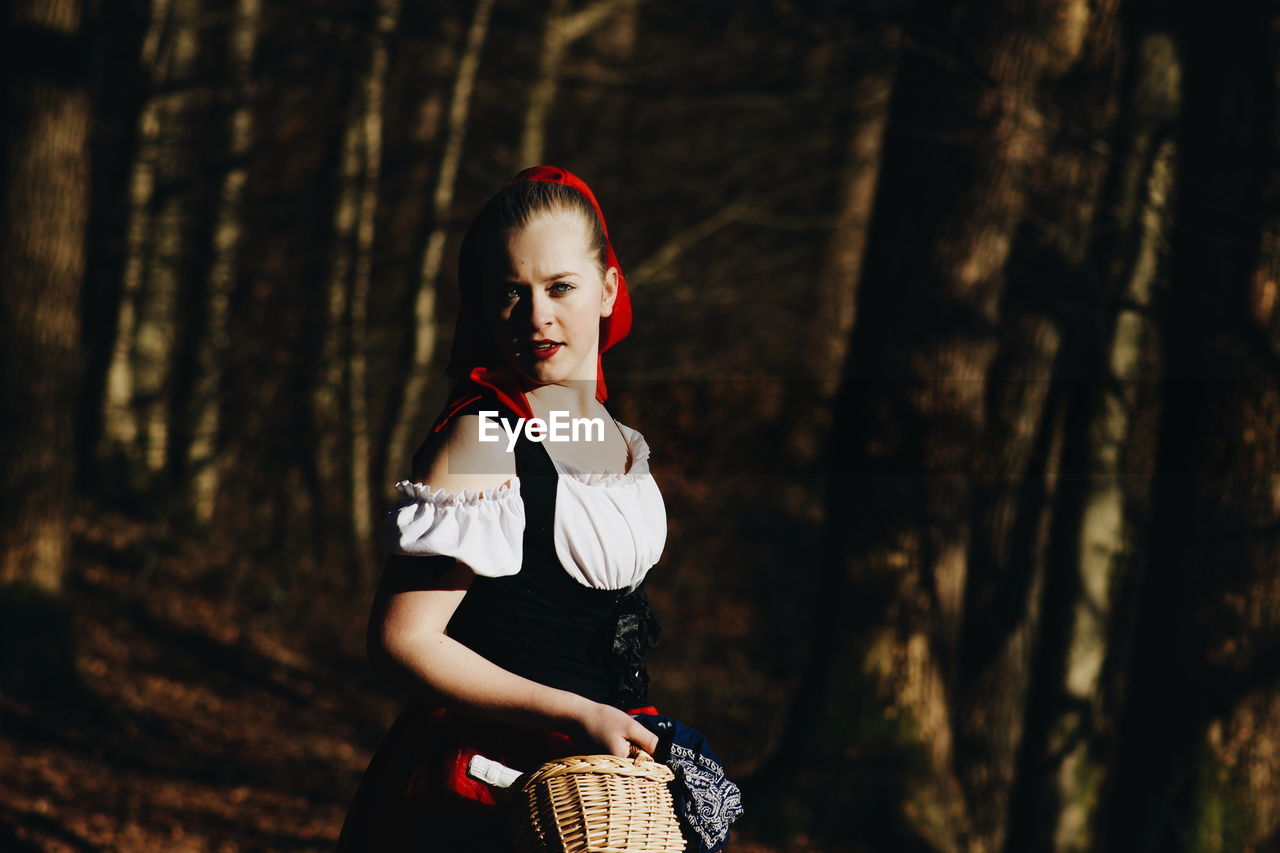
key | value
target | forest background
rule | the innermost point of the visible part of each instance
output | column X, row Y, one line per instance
column 957, row 345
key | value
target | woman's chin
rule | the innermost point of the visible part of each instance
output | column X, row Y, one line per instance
column 536, row 371
column 558, row 369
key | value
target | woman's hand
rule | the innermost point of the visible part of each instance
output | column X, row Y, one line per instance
column 614, row 731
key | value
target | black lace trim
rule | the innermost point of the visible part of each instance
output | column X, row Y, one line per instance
column 636, row 631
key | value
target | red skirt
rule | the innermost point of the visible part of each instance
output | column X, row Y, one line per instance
column 416, row 794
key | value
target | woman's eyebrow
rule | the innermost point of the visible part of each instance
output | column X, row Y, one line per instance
column 552, row 277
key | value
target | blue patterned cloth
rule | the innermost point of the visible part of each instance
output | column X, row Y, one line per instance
column 705, row 800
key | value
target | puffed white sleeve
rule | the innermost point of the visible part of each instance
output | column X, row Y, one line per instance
column 484, row 530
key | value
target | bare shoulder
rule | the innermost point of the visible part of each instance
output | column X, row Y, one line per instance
column 456, row 459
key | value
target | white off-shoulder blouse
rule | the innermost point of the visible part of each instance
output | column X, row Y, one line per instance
column 610, row 528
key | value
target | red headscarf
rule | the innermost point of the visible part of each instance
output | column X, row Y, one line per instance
column 474, row 359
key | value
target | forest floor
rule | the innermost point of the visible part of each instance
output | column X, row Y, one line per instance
column 189, row 728
column 186, row 727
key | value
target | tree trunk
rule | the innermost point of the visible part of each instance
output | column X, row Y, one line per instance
column 1100, row 511
column 326, row 394
column 408, row 406
column 46, row 180
column 1022, row 445
column 1199, row 746
column 202, row 460
column 350, row 280
column 136, row 418
column 533, row 139
column 842, row 265
column 119, row 83
column 120, row 419
column 966, row 134
column 562, row 30
column 837, row 281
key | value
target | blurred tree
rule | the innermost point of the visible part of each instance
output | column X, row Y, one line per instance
column 42, row 249
column 563, row 27
column 861, row 51
column 939, row 426
column 119, row 87
column 1050, row 308
column 406, row 407
column 869, row 91
column 1103, row 387
column 202, row 465
column 1198, row 747
column 1019, row 637
column 292, row 527
column 140, row 384
column 355, row 215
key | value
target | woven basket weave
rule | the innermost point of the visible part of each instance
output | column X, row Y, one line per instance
column 597, row 804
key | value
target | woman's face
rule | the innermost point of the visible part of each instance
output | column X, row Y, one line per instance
column 544, row 297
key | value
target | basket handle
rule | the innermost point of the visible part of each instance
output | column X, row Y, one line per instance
column 499, row 775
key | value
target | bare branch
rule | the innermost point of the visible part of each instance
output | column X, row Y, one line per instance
column 734, row 212
column 578, row 24
column 681, row 243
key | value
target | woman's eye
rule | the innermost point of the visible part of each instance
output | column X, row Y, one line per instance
column 510, row 294
column 564, row 287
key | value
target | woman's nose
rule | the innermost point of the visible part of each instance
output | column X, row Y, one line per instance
column 540, row 309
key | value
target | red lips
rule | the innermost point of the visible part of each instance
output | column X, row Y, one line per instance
column 544, row 352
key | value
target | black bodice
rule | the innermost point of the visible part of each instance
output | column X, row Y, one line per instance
column 544, row 625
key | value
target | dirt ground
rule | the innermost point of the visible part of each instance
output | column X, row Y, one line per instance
column 192, row 728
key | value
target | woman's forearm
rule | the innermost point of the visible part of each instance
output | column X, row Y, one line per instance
column 432, row 665
column 408, row 642
column 436, row 666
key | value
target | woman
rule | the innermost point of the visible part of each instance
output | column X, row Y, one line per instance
column 511, row 609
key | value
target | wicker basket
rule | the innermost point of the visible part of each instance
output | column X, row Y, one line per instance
column 597, row 804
